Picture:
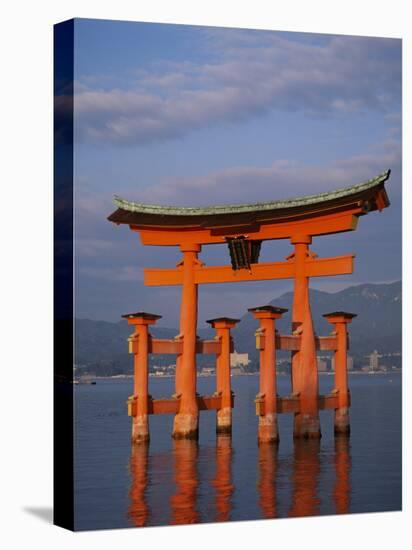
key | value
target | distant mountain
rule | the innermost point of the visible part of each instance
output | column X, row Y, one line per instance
column 104, row 345
column 101, row 340
column 378, row 326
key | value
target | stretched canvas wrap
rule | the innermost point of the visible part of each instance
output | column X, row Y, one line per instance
column 227, row 274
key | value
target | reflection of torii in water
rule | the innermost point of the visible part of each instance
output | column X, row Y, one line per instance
column 303, row 471
column 244, row 228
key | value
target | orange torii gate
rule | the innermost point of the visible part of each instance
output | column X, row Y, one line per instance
column 244, row 228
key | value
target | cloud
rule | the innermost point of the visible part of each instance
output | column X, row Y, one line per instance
column 93, row 248
column 247, row 78
column 283, row 179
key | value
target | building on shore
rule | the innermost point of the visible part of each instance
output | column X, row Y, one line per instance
column 208, row 371
column 374, row 361
column 239, row 359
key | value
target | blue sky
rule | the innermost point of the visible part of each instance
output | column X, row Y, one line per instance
column 174, row 114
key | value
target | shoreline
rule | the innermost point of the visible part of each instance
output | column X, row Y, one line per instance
column 162, row 377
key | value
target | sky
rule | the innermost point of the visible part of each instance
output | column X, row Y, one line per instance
column 191, row 115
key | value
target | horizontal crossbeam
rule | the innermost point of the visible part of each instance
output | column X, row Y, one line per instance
column 286, row 342
column 172, row 405
column 291, row 404
column 159, row 346
column 324, row 267
column 319, row 223
column 288, row 404
column 292, row 342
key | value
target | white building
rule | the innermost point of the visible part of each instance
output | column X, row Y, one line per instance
column 239, row 359
column 374, row 361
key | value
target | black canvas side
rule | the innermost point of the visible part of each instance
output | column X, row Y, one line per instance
column 63, row 275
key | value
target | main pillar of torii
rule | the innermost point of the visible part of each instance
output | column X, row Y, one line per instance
column 243, row 228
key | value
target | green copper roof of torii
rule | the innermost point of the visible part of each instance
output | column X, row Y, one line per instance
column 249, row 207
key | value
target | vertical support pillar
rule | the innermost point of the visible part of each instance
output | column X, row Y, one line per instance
column 304, row 362
column 222, row 325
column 140, row 348
column 187, row 419
column 268, row 424
column 178, row 374
column 340, row 320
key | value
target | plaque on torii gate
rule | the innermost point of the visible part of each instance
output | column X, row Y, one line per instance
column 243, row 228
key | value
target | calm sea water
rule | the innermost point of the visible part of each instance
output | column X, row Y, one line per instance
column 224, row 479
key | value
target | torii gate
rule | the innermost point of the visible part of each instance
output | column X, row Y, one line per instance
column 244, row 228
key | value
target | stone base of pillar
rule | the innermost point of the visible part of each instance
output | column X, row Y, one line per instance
column 224, row 421
column 140, row 429
column 306, row 426
column 268, row 429
column 186, row 426
column 342, row 425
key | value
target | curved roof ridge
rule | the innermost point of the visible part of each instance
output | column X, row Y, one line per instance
column 142, row 208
